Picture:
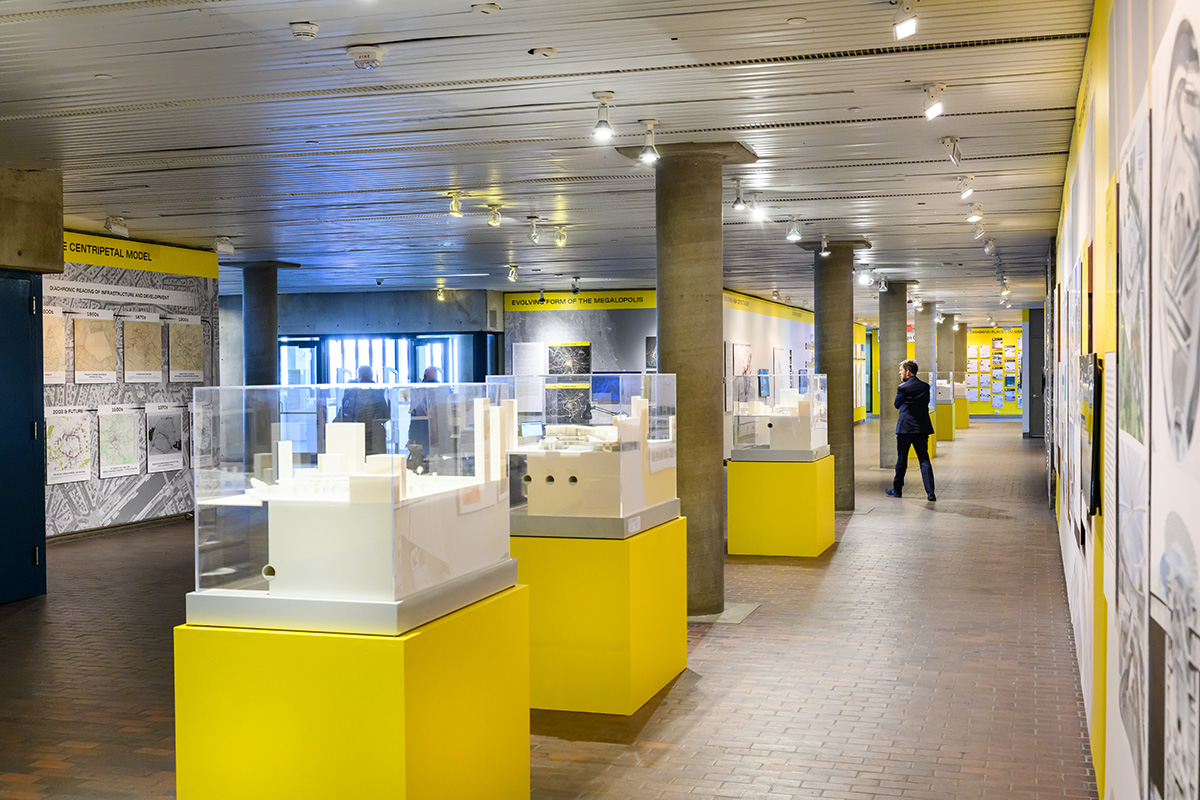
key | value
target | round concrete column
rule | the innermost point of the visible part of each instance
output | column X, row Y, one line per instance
column 260, row 324
column 945, row 343
column 960, row 345
column 893, row 348
column 925, row 333
column 690, row 345
column 833, row 301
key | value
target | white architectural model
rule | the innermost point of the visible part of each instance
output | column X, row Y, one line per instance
column 787, row 425
column 600, row 471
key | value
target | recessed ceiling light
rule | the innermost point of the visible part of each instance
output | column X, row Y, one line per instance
column 797, row 21
column 485, row 9
column 544, row 52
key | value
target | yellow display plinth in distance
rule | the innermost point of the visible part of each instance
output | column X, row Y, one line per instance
column 962, row 413
column 607, row 617
column 931, row 445
column 945, row 423
column 440, row 711
column 780, row 508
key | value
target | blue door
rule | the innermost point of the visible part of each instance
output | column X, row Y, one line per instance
column 22, row 465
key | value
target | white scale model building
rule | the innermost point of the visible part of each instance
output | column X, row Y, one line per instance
column 794, row 429
column 365, row 529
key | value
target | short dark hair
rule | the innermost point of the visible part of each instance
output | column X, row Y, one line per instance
column 910, row 365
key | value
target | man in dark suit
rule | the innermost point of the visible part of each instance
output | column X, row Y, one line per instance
column 912, row 429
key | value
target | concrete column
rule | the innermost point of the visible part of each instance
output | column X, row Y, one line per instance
column 31, row 220
column 960, row 345
column 833, row 306
column 945, row 343
column 925, row 331
column 691, row 346
column 893, row 348
column 260, row 324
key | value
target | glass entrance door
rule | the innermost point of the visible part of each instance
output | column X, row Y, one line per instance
column 297, row 360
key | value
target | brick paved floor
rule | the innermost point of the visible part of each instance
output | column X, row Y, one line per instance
column 927, row 655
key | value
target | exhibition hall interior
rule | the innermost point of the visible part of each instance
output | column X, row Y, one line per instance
column 551, row 399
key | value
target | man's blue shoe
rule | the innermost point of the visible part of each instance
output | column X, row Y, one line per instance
column 893, row 493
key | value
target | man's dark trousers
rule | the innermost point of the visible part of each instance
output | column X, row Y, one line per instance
column 920, row 443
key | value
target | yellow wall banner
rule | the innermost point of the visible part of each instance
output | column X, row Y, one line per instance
column 104, row 251
column 754, row 305
column 584, row 301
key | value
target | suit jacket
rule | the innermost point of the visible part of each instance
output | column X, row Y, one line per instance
column 912, row 398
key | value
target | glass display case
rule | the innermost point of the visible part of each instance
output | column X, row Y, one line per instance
column 361, row 508
column 780, row 417
column 949, row 386
column 594, row 455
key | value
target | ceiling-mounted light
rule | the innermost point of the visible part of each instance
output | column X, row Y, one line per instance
column 905, row 23
column 865, row 278
column 456, row 204
column 954, row 327
column 793, row 233
column 825, row 246
column 966, row 186
column 989, row 247
column 756, row 210
column 941, row 318
column 494, row 216
column 976, row 213
column 541, row 295
column 883, row 284
column 952, row 148
column 649, row 154
column 575, row 285
column 603, row 131
column 512, row 273
column 739, row 202
column 116, row 226
column 933, row 100
column 560, row 238
column 1005, row 290
column 980, row 230
column 222, row 246
column 441, row 295
column 534, row 236
column 775, row 294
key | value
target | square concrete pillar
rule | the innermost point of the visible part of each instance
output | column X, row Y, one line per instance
column 31, row 220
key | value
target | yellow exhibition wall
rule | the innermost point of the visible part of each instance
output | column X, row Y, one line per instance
column 983, row 337
column 860, row 338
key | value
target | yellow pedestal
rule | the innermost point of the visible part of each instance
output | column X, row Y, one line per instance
column 607, row 618
column 944, row 424
column 441, row 711
column 962, row 413
column 932, row 445
column 780, row 508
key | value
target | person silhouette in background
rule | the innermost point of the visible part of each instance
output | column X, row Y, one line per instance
column 421, row 410
column 370, row 407
column 912, row 429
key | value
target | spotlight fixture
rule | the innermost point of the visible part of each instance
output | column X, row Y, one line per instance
column 494, row 216
column 883, row 284
column 512, row 273
column 793, row 234
column 541, row 296
column 989, row 247
column 222, row 246
column 865, row 278
column 905, row 23
column 575, row 285
column 952, row 149
column 649, row 154
column 1006, row 290
column 116, row 226
column 456, row 204
column 954, row 327
column 966, row 186
column 775, row 295
column 739, row 202
column 560, row 238
column 941, row 318
column 825, row 246
column 534, row 236
column 976, row 213
column 933, row 100
column 603, row 131
column 756, row 211
column 441, row 294
column 980, row 230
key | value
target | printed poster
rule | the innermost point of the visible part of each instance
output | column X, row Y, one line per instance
column 570, row 358
column 142, row 334
column 95, row 346
column 972, row 351
column 120, row 445
column 164, row 437
column 185, row 340
column 54, row 346
column 68, row 445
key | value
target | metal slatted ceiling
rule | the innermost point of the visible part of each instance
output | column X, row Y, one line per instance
column 216, row 122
